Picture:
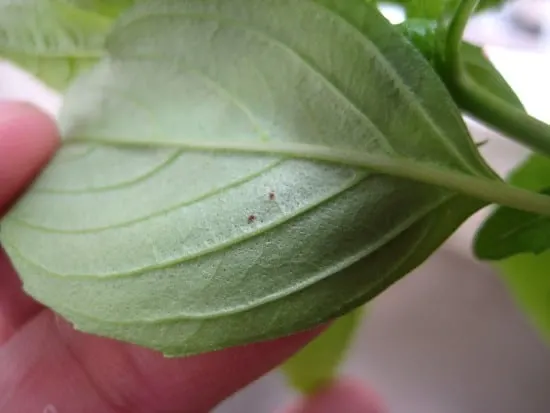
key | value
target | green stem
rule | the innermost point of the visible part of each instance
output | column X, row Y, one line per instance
column 485, row 189
column 507, row 119
column 483, row 105
column 452, row 56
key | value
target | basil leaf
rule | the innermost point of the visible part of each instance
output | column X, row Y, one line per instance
column 508, row 232
column 316, row 364
column 156, row 226
column 53, row 40
column 429, row 9
column 486, row 76
column 526, row 277
column 526, row 274
column 422, row 33
column 432, row 9
column 109, row 8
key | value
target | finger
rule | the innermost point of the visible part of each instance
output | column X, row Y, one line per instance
column 345, row 395
column 28, row 138
column 16, row 308
column 48, row 363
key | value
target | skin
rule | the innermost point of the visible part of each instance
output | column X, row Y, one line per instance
column 48, row 367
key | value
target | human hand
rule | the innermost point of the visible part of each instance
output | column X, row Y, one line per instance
column 46, row 366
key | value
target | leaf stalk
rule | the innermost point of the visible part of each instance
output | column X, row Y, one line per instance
column 483, row 105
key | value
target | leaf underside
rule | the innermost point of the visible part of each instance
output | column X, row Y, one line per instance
column 187, row 251
column 108, row 8
column 56, row 40
column 509, row 232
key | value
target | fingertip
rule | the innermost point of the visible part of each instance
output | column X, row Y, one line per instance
column 28, row 139
column 348, row 395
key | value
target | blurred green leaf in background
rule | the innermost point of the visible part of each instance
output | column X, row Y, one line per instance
column 527, row 274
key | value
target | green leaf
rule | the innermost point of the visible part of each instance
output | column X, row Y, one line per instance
column 53, row 40
column 422, row 9
column 486, row 76
column 508, row 232
column 432, row 9
column 423, row 34
column 220, row 183
column 429, row 9
column 526, row 275
column 109, row 8
column 533, row 174
column 317, row 364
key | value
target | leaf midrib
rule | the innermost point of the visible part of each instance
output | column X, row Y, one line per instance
column 206, row 251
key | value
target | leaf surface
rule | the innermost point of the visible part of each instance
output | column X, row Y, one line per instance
column 109, row 8
column 153, row 226
column 432, row 9
column 526, row 277
column 508, row 232
column 55, row 40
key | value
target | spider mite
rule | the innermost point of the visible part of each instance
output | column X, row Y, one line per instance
column 251, row 219
column 272, row 196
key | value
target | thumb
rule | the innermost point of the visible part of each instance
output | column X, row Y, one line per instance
column 28, row 138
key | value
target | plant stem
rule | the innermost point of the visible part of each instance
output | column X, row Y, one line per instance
column 485, row 106
column 485, row 189
column 452, row 56
column 513, row 122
